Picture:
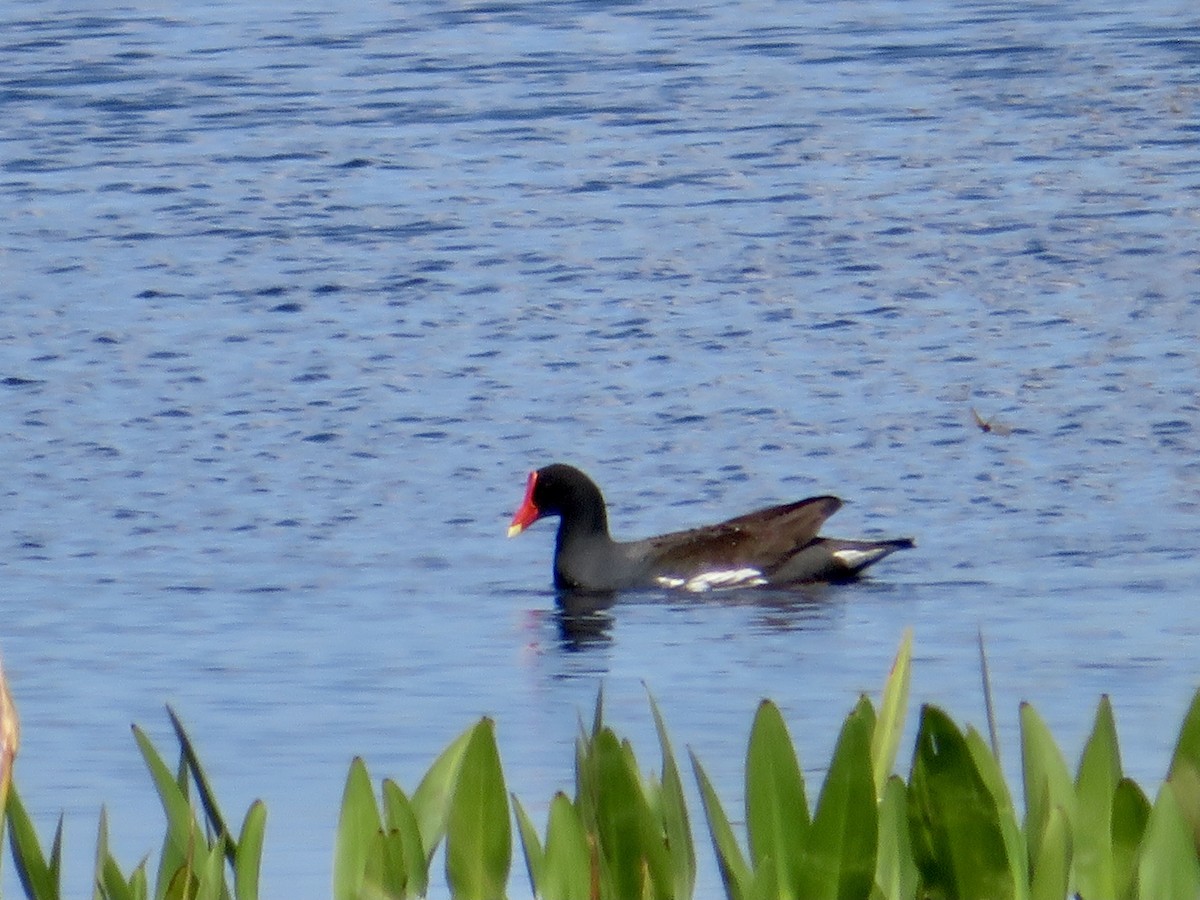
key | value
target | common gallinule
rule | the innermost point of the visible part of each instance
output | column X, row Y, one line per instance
column 773, row 546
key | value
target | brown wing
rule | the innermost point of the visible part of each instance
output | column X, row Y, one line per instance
column 759, row 540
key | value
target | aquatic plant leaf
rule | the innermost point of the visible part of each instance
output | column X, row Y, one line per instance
column 400, row 821
column 885, row 741
column 431, row 800
column 39, row 879
column 248, row 860
column 211, row 872
column 111, row 883
column 1168, row 869
column 384, row 876
column 531, row 846
column 631, row 839
column 478, row 832
column 183, row 836
column 777, row 819
column 1184, row 773
column 1046, row 779
column 958, row 845
column 598, row 712
column 988, row 704
column 208, row 799
column 735, row 873
column 569, row 872
column 838, row 859
column 1130, row 812
column 358, row 823
column 989, row 770
column 895, row 871
column 678, row 828
column 1051, row 868
column 1095, row 785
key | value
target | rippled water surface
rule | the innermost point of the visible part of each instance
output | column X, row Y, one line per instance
column 292, row 300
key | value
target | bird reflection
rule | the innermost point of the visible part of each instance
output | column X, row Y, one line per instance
column 585, row 619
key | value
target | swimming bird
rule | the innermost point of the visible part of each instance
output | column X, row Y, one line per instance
column 778, row 545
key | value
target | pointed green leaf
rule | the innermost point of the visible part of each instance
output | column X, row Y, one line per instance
column 384, row 876
column 358, row 823
column 1187, row 747
column 1131, row 811
column 431, row 800
column 598, row 713
column 838, row 860
column 567, row 874
column 735, row 873
column 1168, row 869
column 102, row 854
column 885, row 742
column 207, row 797
column 1095, row 785
column 35, row 874
column 988, row 767
column 535, row 857
column 478, row 832
column 675, row 816
column 777, row 819
column 1047, row 781
column 630, row 837
column 1184, row 774
column 401, row 820
column 210, row 871
column 895, row 871
column 183, row 831
column 248, row 859
column 111, row 884
column 1052, row 866
column 958, row 843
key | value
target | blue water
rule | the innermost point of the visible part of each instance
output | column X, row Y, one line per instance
column 293, row 299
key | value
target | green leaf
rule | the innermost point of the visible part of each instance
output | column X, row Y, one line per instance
column 211, row 871
column 678, row 829
column 248, row 858
column 400, row 819
column 535, row 856
column 777, row 820
column 184, row 834
column 631, row 839
column 988, row 767
column 431, row 799
column 838, row 860
column 958, row 844
column 1131, row 811
column 895, row 871
column 568, row 871
column 39, row 880
column 1047, row 781
column 1095, row 785
column 478, row 832
column 1168, row 869
column 735, row 873
column 885, row 742
column 1052, row 866
column 384, row 875
column 1184, row 774
column 207, row 797
column 358, row 823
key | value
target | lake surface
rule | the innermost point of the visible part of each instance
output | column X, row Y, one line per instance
column 294, row 298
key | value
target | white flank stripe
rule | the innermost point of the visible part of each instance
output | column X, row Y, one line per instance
column 706, row 581
column 854, row 559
